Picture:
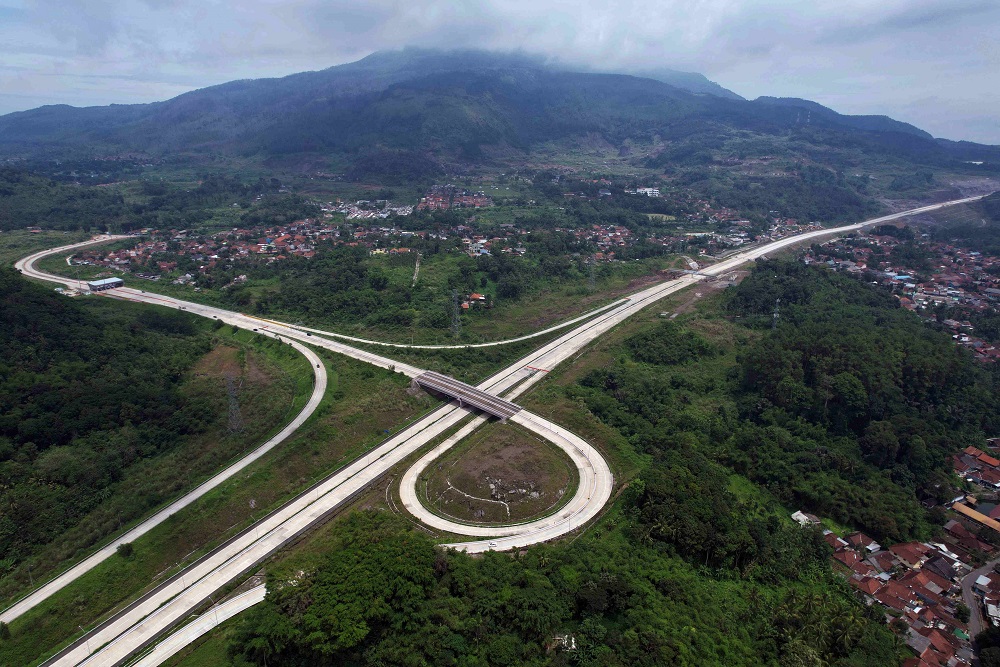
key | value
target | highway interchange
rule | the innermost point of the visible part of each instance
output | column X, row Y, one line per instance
column 120, row 637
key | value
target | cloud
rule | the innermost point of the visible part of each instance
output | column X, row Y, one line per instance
column 878, row 58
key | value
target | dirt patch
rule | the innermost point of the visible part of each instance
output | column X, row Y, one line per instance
column 220, row 362
column 255, row 373
column 504, row 474
column 706, row 288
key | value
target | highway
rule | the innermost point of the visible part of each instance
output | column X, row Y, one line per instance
column 172, row 601
column 159, row 610
column 208, row 621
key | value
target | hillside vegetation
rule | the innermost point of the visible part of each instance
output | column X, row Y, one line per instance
column 92, row 393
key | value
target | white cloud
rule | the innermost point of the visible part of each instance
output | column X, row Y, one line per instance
column 859, row 56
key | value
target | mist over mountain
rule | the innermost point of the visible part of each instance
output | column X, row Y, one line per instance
column 454, row 106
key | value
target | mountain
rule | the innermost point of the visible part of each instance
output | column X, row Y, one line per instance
column 457, row 107
column 689, row 81
column 866, row 123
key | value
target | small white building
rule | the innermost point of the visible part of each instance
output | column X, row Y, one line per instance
column 106, row 284
column 804, row 519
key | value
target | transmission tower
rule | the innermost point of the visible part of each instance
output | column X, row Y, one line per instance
column 235, row 416
column 456, row 315
column 776, row 314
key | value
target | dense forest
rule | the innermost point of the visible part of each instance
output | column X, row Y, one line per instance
column 28, row 200
column 844, row 404
column 381, row 593
column 86, row 392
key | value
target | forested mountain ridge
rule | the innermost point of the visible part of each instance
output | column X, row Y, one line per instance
column 452, row 106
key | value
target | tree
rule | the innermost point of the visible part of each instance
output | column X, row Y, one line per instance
column 125, row 550
column 990, row 657
column 962, row 612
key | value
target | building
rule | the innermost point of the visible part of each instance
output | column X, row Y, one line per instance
column 107, row 283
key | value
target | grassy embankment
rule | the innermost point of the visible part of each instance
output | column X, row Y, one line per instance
column 20, row 243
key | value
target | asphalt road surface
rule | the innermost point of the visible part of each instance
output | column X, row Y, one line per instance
column 976, row 622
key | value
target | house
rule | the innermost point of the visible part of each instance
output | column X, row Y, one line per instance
column 941, row 647
column 941, row 566
column 910, row 554
column 861, row 541
column 882, row 560
column 848, row 557
column 863, row 569
column 835, row 541
column 867, row 585
column 804, row 519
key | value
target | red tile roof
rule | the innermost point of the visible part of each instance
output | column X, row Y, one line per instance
column 989, row 460
column 867, row 585
column 848, row 557
column 860, row 540
column 911, row 553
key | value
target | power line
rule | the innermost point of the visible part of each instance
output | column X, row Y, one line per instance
column 456, row 315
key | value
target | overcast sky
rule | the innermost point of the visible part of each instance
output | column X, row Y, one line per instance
column 934, row 63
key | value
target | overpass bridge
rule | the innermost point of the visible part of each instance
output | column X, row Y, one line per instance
column 467, row 395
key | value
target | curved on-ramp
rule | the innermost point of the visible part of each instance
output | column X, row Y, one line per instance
column 593, row 491
column 495, row 343
column 208, row 621
column 108, row 550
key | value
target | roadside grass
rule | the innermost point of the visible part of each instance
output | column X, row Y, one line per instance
column 362, row 404
column 209, row 651
column 468, row 364
column 20, row 243
column 530, row 475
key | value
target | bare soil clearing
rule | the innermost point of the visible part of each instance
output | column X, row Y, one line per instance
column 502, row 475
